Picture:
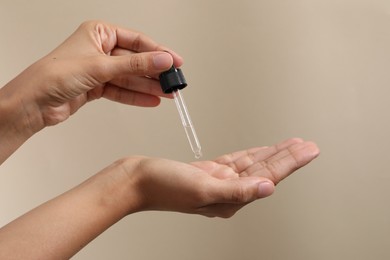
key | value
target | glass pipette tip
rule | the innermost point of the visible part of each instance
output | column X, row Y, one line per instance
column 187, row 124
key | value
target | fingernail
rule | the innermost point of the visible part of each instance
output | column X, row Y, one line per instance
column 265, row 189
column 162, row 61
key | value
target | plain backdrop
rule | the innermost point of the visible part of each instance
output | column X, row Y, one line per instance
column 259, row 72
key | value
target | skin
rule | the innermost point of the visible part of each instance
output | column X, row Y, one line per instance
column 106, row 61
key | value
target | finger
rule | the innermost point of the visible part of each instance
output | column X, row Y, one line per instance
column 231, row 196
column 140, row 84
column 128, row 97
column 139, row 42
column 285, row 162
column 242, row 190
column 123, row 52
column 239, row 161
column 107, row 68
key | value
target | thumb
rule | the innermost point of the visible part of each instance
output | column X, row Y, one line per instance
column 145, row 63
column 245, row 190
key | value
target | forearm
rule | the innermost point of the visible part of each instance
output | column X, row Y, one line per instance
column 61, row 227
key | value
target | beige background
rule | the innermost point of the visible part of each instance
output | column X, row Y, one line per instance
column 259, row 72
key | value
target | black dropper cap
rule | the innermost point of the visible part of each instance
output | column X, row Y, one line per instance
column 172, row 79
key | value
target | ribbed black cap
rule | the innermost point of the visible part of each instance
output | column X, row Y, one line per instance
column 172, row 80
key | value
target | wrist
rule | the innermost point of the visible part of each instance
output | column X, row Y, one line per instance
column 121, row 190
column 19, row 118
column 73, row 219
column 19, row 97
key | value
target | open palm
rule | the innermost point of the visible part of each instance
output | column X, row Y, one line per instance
column 272, row 162
column 222, row 186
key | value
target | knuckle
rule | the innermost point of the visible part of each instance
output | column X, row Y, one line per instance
column 239, row 195
column 136, row 44
column 137, row 64
column 86, row 25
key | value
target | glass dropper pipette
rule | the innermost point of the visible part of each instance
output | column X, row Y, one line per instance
column 187, row 124
column 172, row 81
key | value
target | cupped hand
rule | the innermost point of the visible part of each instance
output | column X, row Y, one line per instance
column 220, row 187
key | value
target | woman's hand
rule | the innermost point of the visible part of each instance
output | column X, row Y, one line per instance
column 219, row 187
column 97, row 60
column 62, row 226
